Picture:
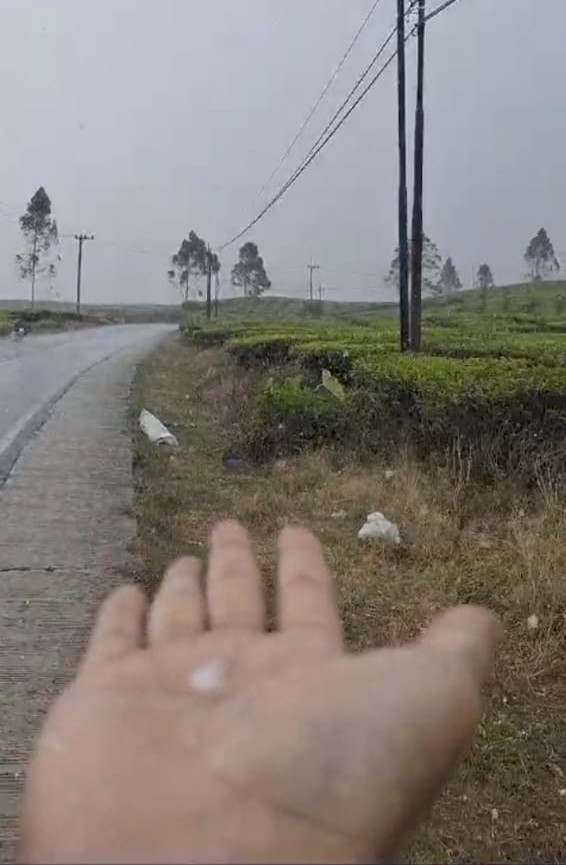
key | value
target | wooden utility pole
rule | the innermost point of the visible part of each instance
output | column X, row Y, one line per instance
column 34, row 269
column 80, row 238
column 403, row 207
column 208, row 284
column 311, row 268
column 418, row 236
column 216, row 295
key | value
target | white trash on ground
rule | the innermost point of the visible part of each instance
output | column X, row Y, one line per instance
column 156, row 432
column 379, row 528
column 339, row 515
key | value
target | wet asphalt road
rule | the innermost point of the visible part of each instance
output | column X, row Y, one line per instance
column 35, row 372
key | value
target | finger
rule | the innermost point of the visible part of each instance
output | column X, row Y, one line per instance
column 305, row 586
column 119, row 627
column 233, row 586
column 417, row 709
column 178, row 609
column 468, row 635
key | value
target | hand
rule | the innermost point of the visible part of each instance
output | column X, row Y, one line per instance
column 192, row 735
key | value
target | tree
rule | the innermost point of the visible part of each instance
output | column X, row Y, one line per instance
column 449, row 281
column 40, row 233
column 432, row 263
column 484, row 278
column 540, row 256
column 249, row 272
column 216, row 267
column 190, row 260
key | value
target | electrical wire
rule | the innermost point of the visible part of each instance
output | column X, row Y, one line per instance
column 317, row 104
column 317, row 149
column 439, row 9
column 322, row 141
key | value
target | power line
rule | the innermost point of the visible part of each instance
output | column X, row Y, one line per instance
column 318, row 147
column 317, row 104
column 439, row 9
column 295, row 176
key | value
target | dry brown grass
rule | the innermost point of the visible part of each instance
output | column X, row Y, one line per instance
column 460, row 544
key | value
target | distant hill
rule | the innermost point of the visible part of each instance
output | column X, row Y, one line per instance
column 273, row 307
column 127, row 313
column 545, row 298
column 541, row 299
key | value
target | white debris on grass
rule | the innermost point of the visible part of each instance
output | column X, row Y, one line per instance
column 533, row 622
column 389, row 475
column 155, row 431
column 379, row 528
column 339, row 515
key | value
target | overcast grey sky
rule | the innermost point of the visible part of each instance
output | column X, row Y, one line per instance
column 147, row 118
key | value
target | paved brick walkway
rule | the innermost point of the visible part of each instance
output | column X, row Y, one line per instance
column 66, row 537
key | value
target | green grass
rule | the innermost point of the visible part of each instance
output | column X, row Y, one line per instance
column 523, row 299
column 494, row 545
column 105, row 313
column 286, row 308
column 5, row 323
column 542, row 299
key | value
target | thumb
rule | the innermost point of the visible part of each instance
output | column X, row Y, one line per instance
column 420, row 706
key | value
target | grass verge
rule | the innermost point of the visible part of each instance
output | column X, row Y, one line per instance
column 462, row 543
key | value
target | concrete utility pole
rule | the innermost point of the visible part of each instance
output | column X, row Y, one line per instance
column 403, row 206
column 321, row 292
column 311, row 268
column 418, row 237
column 80, row 238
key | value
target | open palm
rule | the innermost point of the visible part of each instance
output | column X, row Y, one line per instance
column 192, row 735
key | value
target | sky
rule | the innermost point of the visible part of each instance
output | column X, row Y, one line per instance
column 144, row 119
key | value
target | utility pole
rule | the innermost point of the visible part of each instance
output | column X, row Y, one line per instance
column 208, row 284
column 34, row 269
column 403, row 206
column 216, row 295
column 80, row 238
column 311, row 268
column 321, row 292
column 418, row 236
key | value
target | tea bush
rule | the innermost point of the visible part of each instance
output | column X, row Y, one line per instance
column 491, row 392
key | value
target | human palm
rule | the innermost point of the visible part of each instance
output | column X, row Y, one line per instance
column 191, row 735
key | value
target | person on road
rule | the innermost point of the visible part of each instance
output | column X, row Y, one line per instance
column 191, row 734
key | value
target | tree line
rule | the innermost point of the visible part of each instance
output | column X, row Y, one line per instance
column 442, row 278
column 188, row 265
column 194, row 260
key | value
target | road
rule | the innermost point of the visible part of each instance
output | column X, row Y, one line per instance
column 35, row 372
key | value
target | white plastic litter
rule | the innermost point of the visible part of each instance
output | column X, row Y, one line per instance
column 339, row 515
column 379, row 528
column 156, row 432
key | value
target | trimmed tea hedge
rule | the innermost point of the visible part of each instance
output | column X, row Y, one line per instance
column 497, row 395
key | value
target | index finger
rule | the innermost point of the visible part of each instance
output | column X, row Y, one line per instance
column 467, row 634
column 118, row 630
column 306, row 598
